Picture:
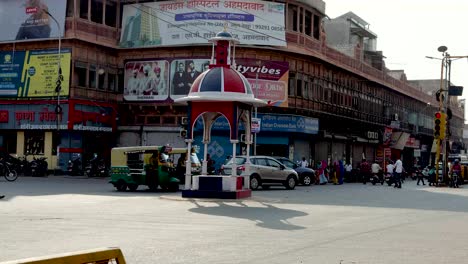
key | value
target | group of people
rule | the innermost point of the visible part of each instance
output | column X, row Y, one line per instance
column 150, row 83
column 184, row 77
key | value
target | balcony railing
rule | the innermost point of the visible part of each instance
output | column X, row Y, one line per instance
column 361, row 68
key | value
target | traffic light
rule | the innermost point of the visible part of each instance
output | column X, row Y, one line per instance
column 440, row 124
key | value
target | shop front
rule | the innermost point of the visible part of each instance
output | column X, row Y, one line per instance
column 33, row 129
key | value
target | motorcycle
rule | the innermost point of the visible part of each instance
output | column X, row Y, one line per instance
column 454, row 180
column 6, row 168
column 376, row 178
column 74, row 167
column 39, row 166
column 96, row 168
column 389, row 179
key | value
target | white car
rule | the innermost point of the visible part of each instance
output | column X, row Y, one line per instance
column 264, row 171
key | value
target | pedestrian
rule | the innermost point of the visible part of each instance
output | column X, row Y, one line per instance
column 342, row 171
column 365, row 171
column 432, row 176
column 322, row 171
column 398, row 171
column 304, row 163
column 420, row 176
column 348, row 170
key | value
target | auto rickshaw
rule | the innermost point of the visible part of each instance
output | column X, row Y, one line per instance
column 152, row 166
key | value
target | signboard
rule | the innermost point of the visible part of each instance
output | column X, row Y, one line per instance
column 146, row 80
column 268, row 79
column 84, row 117
column 28, row 20
column 255, row 125
column 273, row 123
column 33, row 73
column 195, row 21
column 33, row 116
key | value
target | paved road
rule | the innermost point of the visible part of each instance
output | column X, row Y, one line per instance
column 352, row 223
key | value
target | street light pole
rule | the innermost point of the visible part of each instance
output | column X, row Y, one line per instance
column 58, row 88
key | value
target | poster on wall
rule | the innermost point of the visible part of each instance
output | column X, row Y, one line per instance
column 146, row 80
column 194, row 21
column 28, row 19
column 33, row 73
column 183, row 74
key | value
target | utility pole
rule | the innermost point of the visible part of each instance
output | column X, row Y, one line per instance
column 443, row 105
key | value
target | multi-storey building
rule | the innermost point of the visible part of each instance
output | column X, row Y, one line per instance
column 123, row 62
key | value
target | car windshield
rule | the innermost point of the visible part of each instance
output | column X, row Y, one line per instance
column 288, row 163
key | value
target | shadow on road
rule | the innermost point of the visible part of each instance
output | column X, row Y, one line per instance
column 267, row 216
column 351, row 194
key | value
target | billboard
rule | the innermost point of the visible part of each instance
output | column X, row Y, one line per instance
column 28, row 19
column 195, row 21
column 269, row 79
column 146, row 80
column 33, row 73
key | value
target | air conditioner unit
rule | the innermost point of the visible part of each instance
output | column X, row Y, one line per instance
column 242, row 138
column 183, row 133
column 184, row 120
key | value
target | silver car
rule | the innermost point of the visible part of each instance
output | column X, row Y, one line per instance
column 264, row 171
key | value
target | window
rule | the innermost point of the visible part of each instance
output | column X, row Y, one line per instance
column 97, row 11
column 273, row 163
column 111, row 13
column 308, row 23
column 292, row 83
column 301, row 20
column 120, row 80
column 101, row 79
column 34, row 142
column 261, row 162
column 83, row 9
column 112, row 82
column 299, row 85
column 8, row 141
column 316, row 27
column 80, row 74
column 92, row 76
column 292, row 17
column 70, row 8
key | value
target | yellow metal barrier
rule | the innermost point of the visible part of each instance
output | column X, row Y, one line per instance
column 93, row 256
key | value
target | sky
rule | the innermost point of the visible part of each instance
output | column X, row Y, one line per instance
column 409, row 30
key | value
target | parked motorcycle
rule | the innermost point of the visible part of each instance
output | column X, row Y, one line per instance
column 6, row 169
column 75, row 166
column 376, row 178
column 96, row 168
column 39, row 166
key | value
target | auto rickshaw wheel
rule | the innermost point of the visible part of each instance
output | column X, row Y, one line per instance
column 121, row 186
column 132, row 187
column 174, row 187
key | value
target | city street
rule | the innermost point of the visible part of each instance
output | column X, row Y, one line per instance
column 352, row 223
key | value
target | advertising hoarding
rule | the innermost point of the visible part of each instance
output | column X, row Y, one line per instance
column 269, row 79
column 33, row 73
column 28, row 20
column 146, row 80
column 195, row 21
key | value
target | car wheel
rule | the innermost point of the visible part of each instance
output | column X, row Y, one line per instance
column 307, row 179
column 290, row 183
column 254, row 182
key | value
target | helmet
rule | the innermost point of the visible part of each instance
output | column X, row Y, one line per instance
column 456, row 160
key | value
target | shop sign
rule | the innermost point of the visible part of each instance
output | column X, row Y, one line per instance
column 92, row 118
column 4, row 116
column 273, row 123
column 372, row 135
column 31, row 116
column 395, row 124
column 412, row 143
column 387, row 136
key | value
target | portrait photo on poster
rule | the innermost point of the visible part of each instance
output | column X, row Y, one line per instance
column 146, row 80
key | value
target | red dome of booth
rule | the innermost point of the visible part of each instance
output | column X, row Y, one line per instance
column 221, row 84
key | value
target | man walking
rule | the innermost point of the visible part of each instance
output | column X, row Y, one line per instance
column 365, row 171
column 398, row 171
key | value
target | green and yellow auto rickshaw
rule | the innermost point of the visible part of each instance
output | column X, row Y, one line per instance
column 152, row 166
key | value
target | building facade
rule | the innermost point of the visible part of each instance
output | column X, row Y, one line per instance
column 123, row 63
